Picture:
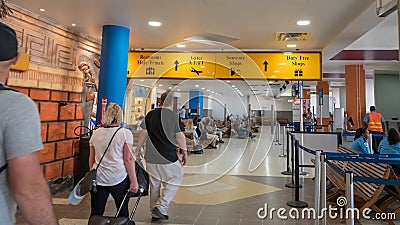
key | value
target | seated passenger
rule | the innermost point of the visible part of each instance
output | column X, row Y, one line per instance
column 211, row 128
column 360, row 142
column 190, row 128
column 206, row 139
column 240, row 130
column 391, row 145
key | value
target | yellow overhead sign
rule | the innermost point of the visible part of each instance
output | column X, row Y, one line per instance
column 294, row 66
column 171, row 65
column 235, row 65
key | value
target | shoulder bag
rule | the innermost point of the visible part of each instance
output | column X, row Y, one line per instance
column 142, row 178
column 89, row 181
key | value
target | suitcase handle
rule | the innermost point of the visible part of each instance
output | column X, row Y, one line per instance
column 141, row 190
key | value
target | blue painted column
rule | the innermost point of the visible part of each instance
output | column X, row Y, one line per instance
column 196, row 98
column 114, row 66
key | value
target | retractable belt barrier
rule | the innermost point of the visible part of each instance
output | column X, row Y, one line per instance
column 368, row 158
column 324, row 158
column 348, row 176
column 312, row 152
column 296, row 172
column 288, row 171
column 373, row 135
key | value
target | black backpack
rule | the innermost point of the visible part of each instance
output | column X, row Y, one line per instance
column 2, row 87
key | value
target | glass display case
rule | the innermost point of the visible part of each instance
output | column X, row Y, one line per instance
column 139, row 108
column 137, row 103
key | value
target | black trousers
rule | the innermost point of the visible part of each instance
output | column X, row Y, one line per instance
column 99, row 199
column 376, row 141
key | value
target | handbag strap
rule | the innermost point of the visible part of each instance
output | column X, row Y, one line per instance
column 2, row 87
column 4, row 167
column 108, row 146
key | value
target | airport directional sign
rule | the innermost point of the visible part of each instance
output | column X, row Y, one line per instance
column 226, row 65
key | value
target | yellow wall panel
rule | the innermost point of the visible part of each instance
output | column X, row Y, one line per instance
column 22, row 64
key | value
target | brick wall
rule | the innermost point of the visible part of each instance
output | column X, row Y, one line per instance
column 59, row 117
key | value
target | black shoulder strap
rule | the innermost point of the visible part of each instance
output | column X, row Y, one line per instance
column 4, row 167
column 108, row 146
column 2, row 87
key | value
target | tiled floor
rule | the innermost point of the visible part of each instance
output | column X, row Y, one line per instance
column 227, row 185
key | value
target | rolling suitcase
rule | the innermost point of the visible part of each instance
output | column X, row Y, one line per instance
column 109, row 220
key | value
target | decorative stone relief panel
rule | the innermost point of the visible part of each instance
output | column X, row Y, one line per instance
column 54, row 52
column 48, row 43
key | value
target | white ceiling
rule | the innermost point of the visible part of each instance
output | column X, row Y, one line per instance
column 336, row 25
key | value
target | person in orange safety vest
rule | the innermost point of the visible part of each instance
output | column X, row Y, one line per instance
column 375, row 125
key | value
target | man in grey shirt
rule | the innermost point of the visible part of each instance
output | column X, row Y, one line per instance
column 21, row 177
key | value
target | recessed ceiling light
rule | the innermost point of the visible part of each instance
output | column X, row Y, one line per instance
column 213, row 92
column 287, row 53
column 196, row 85
column 154, row 23
column 233, row 86
column 303, row 22
column 291, row 45
column 160, row 85
column 141, row 80
column 202, row 88
column 73, row 24
column 170, row 87
column 180, row 45
column 179, row 89
column 208, row 90
column 228, row 81
column 42, row 10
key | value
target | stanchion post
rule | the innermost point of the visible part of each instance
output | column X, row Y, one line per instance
column 370, row 143
column 297, row 203
column 276, row 131
column 317, row 194
column 350, row 197
column 323, row 185
column 279, row 133
column 283, row 143
column 302, row 160
column 288, row 170
column 291, row 185
column 320, row 119
column 296, row 171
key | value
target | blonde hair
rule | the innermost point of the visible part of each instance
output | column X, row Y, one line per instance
column 114, row 114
